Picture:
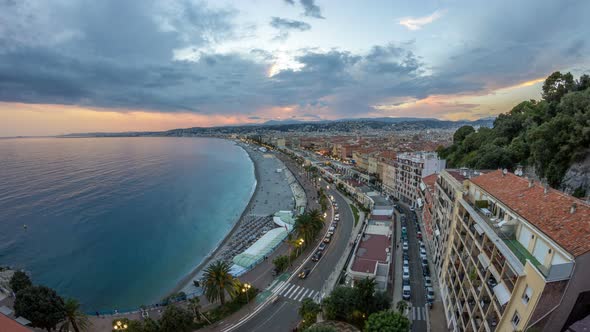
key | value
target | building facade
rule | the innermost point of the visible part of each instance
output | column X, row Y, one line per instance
column 514, row 255
column 410, row 167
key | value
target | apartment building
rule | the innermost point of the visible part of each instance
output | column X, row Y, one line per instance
column 425, row 203
column 514, row 254
column 410, row 167
column 388, row 177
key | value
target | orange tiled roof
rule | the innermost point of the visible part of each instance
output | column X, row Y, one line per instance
column 549, row 212
column 10, row 325
column 430, row 180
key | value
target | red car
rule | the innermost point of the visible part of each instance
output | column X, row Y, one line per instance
column 419, row 235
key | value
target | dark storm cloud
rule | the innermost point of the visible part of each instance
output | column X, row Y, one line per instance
column 120, row 54
column 311, row 9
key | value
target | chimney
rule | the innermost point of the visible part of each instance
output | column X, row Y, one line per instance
column 531, row 182
column 573, row 208
column 545, row 188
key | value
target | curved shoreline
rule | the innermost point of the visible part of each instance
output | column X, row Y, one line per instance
column 187, row 280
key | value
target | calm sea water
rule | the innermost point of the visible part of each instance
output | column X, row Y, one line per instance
column 117, row 222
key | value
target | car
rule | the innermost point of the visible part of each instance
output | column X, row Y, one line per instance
column 406, row 263
column 406, row 273
column 425, row 271
column 412, row 209
column 336, row 207
column 422, row 252
column 406, row 256
column 406, row 282
column 404, row 230
column 427, row 282
column 406, row 292
column 419, row 235
column 424, row 262
column 303, row 274
column 316, row 257
column 429, row 294
column 322, row 246
column 337, row 215
column 331, row 230
column 405, row 245
column 328, row 238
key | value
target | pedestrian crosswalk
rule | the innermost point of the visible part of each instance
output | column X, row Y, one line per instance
column 295, row 292
column 417, row 313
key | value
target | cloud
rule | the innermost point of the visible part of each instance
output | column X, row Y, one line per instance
column 311, row 9
column 285, row 25
column 416, row 23
column 290, row 2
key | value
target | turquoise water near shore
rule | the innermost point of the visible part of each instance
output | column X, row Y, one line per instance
column 117, row 222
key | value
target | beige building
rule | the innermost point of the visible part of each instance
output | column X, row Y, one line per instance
column 388, row 178
column 514, row 255
column 410, row 168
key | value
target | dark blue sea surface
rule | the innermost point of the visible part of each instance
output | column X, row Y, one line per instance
column 117, row 222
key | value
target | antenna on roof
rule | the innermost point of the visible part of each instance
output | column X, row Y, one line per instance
column 573, row 208
column 504, row 171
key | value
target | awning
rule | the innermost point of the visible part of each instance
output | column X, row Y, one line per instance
column 502, row 293
column 484, row 260
column 478, row 229
column 23, row 321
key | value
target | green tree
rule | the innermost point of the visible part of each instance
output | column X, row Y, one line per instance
column 389, row 321
column 150, row 325
column 176, row 319
column 75, row 318
column 401, row 306
column 461, row 133
column 19, row 281
column 308, row 311
column 41, row 305
column 281, row 263
column 556, row 86
column 217, row 281
column 340, row 304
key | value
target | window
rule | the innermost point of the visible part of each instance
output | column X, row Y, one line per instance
column 515, row 319
column 526, row 296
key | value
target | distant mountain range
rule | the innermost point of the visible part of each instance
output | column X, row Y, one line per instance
column 292, row 125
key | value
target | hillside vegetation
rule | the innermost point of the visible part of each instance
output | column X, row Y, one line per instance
column 548, row 135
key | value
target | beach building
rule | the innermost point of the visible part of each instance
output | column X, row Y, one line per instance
column 372, row 256
column 265, row 245
column 517, row 254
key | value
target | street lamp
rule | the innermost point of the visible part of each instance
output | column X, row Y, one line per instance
column 120, row 326
column 299, row 245
column 246, row 289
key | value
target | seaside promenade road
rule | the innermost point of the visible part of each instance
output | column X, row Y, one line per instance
column 282, row 314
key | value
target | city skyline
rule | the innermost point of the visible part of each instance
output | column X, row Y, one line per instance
column 110, row 66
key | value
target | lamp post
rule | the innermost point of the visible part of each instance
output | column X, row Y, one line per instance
column 299, row 245
column 120, row 326
column 246, row 289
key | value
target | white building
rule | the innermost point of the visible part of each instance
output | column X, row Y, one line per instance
column 410, row 168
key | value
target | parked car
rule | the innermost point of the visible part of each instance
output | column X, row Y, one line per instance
column 405, row 245
column 425, row 271
column 406, row 256
column 424, row 262
column 412, row 209
column 406, row 292
column 422, row 252
column 303, row 274
column 328, row 238
column 419, row 235
column 322, row 246
column 429, row 294
column 331, row 230
column 406, row 282
column 406, row 263
column 316, row 257
column 427, row 282
column 406, row 273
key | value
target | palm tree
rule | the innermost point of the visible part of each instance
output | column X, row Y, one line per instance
column 402, row 306
column 195, row 305
column 217, row 281
column 75, row 319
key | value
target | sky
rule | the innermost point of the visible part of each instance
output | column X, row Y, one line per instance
column 87, row 66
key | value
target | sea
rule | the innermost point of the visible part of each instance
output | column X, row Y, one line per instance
column 117, row 222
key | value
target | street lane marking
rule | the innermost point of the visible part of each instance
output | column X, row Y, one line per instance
column 288, row 289
column 418, row 313
column 294, row 296
column 303, row 294
column 278, row 288
column 291, row 293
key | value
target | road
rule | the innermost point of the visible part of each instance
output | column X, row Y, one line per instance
column 282, row 315
column 418, row 308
